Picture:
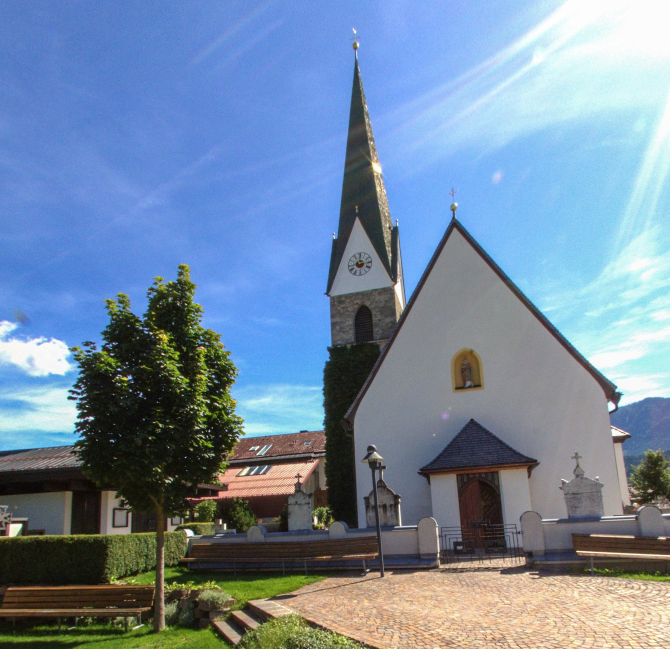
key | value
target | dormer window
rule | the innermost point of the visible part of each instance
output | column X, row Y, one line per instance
column 265, row 449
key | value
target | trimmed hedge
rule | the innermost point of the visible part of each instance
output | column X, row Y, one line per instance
column 198, row 529
column 83, row 559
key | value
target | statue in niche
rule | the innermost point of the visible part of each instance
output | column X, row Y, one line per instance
column 466, row 373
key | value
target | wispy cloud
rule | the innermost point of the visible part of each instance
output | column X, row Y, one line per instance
column 35, row 356
column 280, row 408
column 42, row 410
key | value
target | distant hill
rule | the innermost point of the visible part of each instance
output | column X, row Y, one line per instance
column 648, row 422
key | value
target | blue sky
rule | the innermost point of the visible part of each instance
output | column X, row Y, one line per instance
column 138, row 136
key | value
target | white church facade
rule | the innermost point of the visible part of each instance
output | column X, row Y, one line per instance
column 477, row 402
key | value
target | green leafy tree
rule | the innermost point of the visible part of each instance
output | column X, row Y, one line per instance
column 237, row 514
column 205, row 511
column 343, row 377
column 155, row 414
column 651, row 478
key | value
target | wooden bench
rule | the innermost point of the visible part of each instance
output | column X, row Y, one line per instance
column 77, row 601
column 611, row 546
column 364, row 548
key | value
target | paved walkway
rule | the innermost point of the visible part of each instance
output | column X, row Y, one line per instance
column 490, row 607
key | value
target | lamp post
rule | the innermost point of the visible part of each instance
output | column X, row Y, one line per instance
column 375, row 460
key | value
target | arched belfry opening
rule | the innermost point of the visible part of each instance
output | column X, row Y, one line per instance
column 363, row 329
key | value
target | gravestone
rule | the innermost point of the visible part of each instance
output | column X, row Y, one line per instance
column 583, row 496
column 389, row 505
column 299, row 509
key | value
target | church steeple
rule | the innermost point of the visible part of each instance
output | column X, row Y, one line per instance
column 365, row 229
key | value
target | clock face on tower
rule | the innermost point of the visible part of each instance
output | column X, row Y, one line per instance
column 360, row 263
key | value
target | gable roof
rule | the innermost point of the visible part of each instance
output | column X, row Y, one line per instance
column 619, row 436
column 476, row 448
column 363, row 191
column 278, row 481
column 39, row 459
column 304, row 445
column 608, row 387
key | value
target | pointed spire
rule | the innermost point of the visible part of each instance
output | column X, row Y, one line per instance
column 363, row 192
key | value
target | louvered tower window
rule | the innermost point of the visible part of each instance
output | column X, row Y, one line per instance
column 363, row 325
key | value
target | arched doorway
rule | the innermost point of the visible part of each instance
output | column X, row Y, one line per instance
column 480, row 506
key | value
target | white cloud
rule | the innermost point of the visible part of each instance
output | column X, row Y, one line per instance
column 44, row 410
column 35, row 356
column 280, row 408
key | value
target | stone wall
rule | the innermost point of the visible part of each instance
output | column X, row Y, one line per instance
column 384, row 304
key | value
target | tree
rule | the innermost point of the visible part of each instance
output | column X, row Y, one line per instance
column 343, row 377
column 155, row 414
column 651, row 478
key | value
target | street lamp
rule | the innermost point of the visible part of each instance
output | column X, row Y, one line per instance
column 375, row 460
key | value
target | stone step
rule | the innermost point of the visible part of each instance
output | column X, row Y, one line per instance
column 231, row 633
column 245, row 620
column 268, row 610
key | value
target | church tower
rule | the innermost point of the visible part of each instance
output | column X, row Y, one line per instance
column 365, row 281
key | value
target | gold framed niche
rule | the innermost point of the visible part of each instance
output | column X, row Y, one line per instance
column 466, row 371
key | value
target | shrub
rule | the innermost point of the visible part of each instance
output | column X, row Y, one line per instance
column 172, row 613
column 292, row 632
column 219, row 599
column 205, row 510
column 187, row 614
column 237, row 514
column 323, row 516
column 197, row 528
column 83, row 559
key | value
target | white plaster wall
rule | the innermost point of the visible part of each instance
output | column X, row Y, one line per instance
column 51, row 512
column 558, row 534
column 537, row 397
column 444, row 500
column 108, row 502
column 376, row 277
column 621, row 473
column 515, row 496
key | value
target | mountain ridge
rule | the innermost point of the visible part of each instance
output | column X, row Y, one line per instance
column 648, row 422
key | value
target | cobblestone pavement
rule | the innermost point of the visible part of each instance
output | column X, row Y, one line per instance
column 490, row 607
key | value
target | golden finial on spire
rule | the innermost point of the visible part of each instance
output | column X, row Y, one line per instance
column 356, row 44
column 454, row 205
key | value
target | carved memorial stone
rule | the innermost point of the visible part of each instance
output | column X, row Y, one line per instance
column 583, row 496
column 389, row 506
column 299, row 509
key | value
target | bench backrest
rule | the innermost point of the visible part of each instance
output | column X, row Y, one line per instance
column 66, row 597
column 285, row 549
column 614, row 543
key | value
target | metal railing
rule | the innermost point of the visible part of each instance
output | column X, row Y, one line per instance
column 479, row 542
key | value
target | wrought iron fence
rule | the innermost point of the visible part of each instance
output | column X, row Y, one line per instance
column 479, row 542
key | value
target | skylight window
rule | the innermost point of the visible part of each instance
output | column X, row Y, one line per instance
column 308, row 443
column 255, row 470
column 254, row 448
column 265, row 449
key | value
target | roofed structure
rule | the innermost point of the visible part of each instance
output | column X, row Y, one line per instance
column 475, row 448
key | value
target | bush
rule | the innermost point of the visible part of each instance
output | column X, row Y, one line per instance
column 292, row 632
column 186, row 615
column 83, row 559
column 172, row 613
column 237, row 514
column 219, row 599
column 197, row 528
column 323, row 516
column 205, row 510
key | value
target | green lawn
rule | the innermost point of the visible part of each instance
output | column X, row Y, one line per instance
column 243, row 588
column 629, row 574
column 246, row 586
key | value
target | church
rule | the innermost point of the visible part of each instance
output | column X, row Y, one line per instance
column 477, row 403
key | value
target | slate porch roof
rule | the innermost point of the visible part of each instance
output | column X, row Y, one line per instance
column 475, row 447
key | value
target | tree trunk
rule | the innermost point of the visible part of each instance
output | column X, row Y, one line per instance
column 159, row 597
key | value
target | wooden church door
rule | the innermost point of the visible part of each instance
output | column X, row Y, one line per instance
column 480, row 506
